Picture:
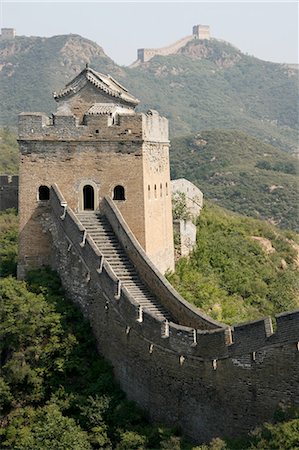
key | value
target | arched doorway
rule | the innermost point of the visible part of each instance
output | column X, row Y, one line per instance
column 88, row 198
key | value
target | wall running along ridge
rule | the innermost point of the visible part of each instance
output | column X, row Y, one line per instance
column 207, row 378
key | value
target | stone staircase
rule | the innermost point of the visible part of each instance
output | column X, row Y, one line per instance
column 98, row 227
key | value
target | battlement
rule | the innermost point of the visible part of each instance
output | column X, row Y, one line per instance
column 121, row 126
column 205, row 338
column 226, row 380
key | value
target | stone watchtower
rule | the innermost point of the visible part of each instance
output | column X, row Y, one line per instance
column 94, row 146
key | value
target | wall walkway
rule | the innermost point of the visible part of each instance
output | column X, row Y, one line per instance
column 193, row 372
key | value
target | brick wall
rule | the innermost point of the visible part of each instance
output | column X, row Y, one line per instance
column 133, row 152
column 216, row 382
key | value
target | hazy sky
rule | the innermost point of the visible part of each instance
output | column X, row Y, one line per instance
column 268, row 30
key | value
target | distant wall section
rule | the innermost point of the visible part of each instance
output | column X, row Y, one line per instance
column 199, row 32
column 9, row 185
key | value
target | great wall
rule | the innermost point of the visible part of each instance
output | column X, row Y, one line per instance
column 186, row 370
column 93, row 194
column 200, row 32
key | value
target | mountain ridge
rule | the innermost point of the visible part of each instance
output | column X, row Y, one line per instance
column 208, row 84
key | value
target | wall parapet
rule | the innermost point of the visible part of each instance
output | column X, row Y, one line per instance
column 175, row 337
column 158, row 284
column 125, row 127
column 203, row 337
column 210, row 382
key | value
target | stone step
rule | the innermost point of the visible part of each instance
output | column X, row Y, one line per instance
column 102, row 234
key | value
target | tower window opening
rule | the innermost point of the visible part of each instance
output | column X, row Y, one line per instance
column 161, row 193
column 88, row 198
column 149, row 192
column 43, row 193
column 119, row 193
column 166, row 189
column 155, row 189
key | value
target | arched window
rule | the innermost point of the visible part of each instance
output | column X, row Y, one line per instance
column 88, row 198
column 119, row 193
column 43, row 193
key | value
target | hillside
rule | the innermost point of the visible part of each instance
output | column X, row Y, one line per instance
column 208, row 84
column 241, row 173
column 34, row 67
column 8, row 152
column 242, row 269
column 211, row 84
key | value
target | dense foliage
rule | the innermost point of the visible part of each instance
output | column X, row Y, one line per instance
column 209, row 84
column 8, row 152
column 241, row 173
column 8, row 243
column 241, row 269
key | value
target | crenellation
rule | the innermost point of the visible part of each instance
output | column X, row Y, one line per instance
column 287, row 324
column 212, row 343
column 40, row 127
column 250, row 336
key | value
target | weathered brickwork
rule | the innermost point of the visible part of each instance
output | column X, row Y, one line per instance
column 210, row 380
column 9, row 185
column 108, row 146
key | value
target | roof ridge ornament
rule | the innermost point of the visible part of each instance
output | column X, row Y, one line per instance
column 105, row 83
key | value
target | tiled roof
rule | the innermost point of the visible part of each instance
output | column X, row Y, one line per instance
column 105, row 83
column 106, row 108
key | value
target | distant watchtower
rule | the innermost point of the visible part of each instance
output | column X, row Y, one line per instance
column 8, row 33
column 96, row 145
column 201, row 32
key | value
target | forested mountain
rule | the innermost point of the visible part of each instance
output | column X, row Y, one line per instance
column 33, row 67
column 241, row 173
column 55, row 390
column 208, row 84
